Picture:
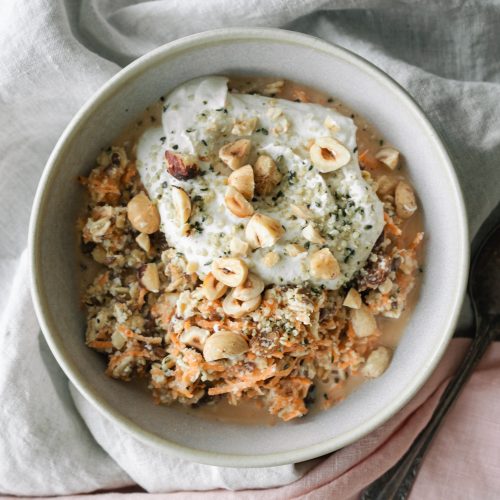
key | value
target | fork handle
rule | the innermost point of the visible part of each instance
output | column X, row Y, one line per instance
column 398, row 481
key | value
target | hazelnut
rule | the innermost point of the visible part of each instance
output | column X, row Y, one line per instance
column 235, row 154
column 237, row 203
column 143, row 214
column 263, row 231
column 389, row 157
column 327, row 154
column 243, row 181
column 324, row 265
column 266, row 174
column 230, row 270
column 182, row 167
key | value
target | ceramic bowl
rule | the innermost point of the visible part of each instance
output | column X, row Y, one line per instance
column 309, row 61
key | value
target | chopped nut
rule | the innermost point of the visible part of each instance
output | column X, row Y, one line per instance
column 182, row 167
column 274, row 112
column 331, row 124
column 324, row 265
column 149, row 277
column 243, row 181
column 377, row 362
column 239, row 248
column 99, row 254
column 118, row 339
column 143, row 241
column 185, row 229
column 386, row 185
column 263, row 231
column 327, row 154
column 310, row 233
column 292, row 249
column 301, row 211
column 249, row 289
column 238, row 308
column 237, row 203
column 212, row 288
column 230, row 270
column 352, row 299
column 406, row 204
column 363, row 321
column 235, row 154
column 266, row 174
column 389, row 157
column 244, row 127
column 195, row 337
column 143, row 214
column 182, row 205
column 271, row 259
column 224, row 344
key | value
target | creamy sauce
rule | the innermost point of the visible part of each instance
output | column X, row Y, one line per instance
column 368, row 137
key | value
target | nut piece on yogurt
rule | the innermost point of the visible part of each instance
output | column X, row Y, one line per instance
column 230, row 270
column 249, row 289
column 237, row 204
column 310, row 233
column 301, row 211
column 243, row 181
column 224, row 344
column 263, row 231
column 182, row 205
column 212, row 288
column 182, row 167
column 143, row 241
column 238, row 248
column 386, row 185
column 267, row 176
column 235, row 154
column 389, row 157
column 327, row 154
column 239, row 308
column 363, row 321
column 149, row 277
column 377, row 362
column 324, row 265
column 244, row 127
column 271, row 259
column 293, row 249
column 143, row 214
column 352, row 299
column 195, row 337
column 406, row 204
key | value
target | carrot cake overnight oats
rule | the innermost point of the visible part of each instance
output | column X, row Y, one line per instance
column 256, row 241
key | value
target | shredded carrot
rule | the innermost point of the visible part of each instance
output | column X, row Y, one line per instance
column 368, row 161
column 100, row 344
column 390, row 226
column 131, row 335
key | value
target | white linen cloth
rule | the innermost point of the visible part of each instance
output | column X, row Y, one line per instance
column 54, row 54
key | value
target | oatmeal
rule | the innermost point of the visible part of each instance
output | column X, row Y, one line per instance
column 254, row 241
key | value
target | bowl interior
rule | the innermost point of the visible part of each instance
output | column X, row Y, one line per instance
column 255, row 52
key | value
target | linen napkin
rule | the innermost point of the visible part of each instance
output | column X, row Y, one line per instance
column 55, row 54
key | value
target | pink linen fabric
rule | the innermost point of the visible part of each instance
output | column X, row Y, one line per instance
column 462, row 463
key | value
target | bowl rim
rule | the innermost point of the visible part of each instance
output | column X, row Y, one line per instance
column 48, row 325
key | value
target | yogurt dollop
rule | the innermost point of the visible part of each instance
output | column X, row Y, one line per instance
column 199, row 119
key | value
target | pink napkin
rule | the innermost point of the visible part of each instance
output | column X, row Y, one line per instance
column 463, row 461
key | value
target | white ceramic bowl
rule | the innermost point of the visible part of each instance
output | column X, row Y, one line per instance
column 255, row 52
